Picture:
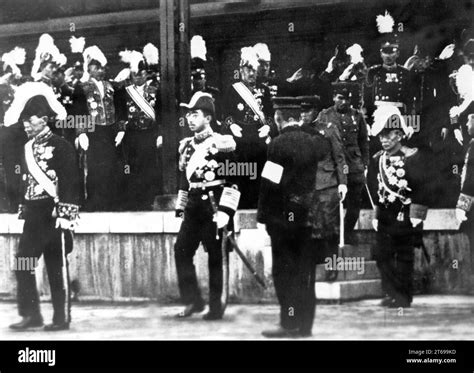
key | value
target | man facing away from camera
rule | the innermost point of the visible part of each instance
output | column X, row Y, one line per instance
column 203, row 190
column 50, row 207
column 286, row 195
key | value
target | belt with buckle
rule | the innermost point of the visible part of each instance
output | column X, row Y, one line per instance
column 206, row 184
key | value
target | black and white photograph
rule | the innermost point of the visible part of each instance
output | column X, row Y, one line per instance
column 243, row 170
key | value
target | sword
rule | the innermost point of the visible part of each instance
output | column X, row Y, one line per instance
column 225, row 262
column 226, row 236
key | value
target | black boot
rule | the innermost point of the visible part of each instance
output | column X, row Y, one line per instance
column 28, row 322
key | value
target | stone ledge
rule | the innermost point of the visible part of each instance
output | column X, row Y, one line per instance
column 166, row 222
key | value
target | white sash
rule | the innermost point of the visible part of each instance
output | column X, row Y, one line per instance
column 35, row 170
column 140, row 101
column 198, row 157
column 249, row 99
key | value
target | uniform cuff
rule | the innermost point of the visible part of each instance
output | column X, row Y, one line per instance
column 68, row 211
column 182, row 200
column 418, row 211
column 229, row 200
column 122, row 125
column 465, row 202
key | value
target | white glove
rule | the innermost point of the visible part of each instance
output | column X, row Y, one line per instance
column 236, row 130
column 454, row 111
column 460, row 215
column 415, row 222
column 221, row 219
column 296, row 76
column 261, row 227
column 264, row 131
column 458, row 136
column 447, row 52
column 119, row 138
column 346, row 72
column 69, row 225
column 342, row 190
column 411, row 131
column 83, row 141
column 159, row 141
column 375, row 224
column 5, row 78
column 444, row 133
column 330, row 67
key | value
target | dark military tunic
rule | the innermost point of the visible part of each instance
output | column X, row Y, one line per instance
column 56, row 159
column 141, row 133
column 104, row 172
column 202, row 164
column 12, row 140
column 330, row 174
column 286, row 194
column 400, row 185
column 353, row 130
column 250, row 147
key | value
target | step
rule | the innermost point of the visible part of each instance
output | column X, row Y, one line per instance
column 360, row 250
column 349, row 290
column 369, row 271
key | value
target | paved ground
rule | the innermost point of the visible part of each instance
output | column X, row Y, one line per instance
column 430, row 318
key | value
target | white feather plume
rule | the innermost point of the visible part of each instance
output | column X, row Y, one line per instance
column 93, row 53
column 263, row 53
column 132, row 58
column 385, row 23
column 27, row 91
column 14, row 58
column 248, row 56
column 77, row 44
column 465, row 81
column 355, row 51
column 124, row 74
column 151, row 54
column 198, row 47
column 46, row 49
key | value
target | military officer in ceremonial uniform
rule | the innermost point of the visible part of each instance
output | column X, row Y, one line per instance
column 286, row 195
column 199, row 78
column 331, row 183
column 391, row 87
column 353, row 130
column 465, row 203
column 400, row 182
column 137, row 110
column 50, row 208
column 247, row 111
column 95, row 98
column 12, row 138
column 204, row 187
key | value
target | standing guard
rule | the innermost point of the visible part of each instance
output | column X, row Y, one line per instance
column 95, row 99
column 398, row 176
column 142, row 139
column 199, row 78
column 50, row 208
column 203, row 183
column 12, row 138
column 391, row 85
column 247, row 109
column 286, row 195
column 353, row 130
column 331, row 183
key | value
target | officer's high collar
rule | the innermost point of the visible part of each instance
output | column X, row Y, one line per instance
column 203, row 135
column 43, row 136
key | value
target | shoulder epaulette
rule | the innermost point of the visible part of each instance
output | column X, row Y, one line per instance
column 409, row 151
column 224, row 143
column 183, row 143
column 378, row 154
